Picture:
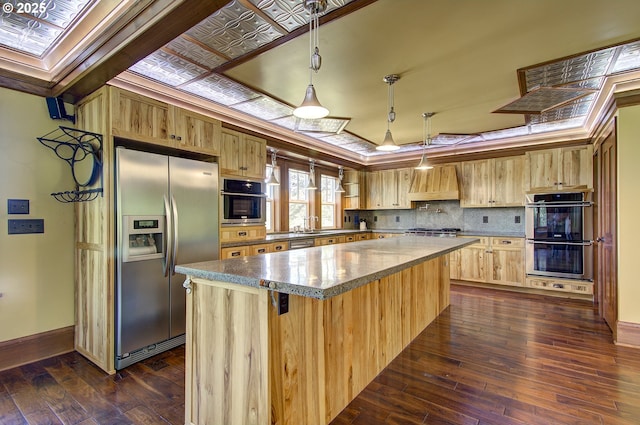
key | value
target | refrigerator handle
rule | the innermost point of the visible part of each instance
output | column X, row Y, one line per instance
column 168, row 237
column 174, row 254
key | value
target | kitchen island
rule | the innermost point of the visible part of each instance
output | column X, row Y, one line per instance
column 350, row 309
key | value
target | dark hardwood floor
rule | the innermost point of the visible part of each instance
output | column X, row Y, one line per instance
column 493, row 357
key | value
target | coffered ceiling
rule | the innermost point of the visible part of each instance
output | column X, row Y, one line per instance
column 497, row 73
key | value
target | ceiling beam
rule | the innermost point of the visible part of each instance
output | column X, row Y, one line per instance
column 147, row 32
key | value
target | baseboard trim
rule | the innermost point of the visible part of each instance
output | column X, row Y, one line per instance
column 29, row 349
column 628, row 334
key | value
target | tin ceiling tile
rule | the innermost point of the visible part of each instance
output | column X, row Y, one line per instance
column 543, row 99
column 167, row 68
column 583, row 67
column 35, row 32
column 578, row 108
column 196, row 53
column 28, row 35
column 323, row 125
column 591, row 83
column 449, row 139
column 291, row 14
column 286, row 122
column 629, row 57
column 234, row 30
column 221, row 90
column 265, row 108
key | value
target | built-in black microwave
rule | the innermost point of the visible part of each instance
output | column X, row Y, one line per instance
column 243, row 202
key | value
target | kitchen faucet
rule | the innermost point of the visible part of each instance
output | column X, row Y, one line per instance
column 310, row 220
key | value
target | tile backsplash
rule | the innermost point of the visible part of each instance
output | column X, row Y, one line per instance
column 438, row 214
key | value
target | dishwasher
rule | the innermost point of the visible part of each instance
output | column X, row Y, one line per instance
column 301, row 243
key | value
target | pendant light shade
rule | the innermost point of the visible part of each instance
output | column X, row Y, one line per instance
column 272, row 180
column 312, row 177
column 311, row 108
column 424, row 163
column 388, row 145
column 339, row 188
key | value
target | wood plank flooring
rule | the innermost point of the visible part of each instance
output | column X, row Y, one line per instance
column 493, row 357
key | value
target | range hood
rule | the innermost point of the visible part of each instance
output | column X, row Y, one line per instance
column 437, row 184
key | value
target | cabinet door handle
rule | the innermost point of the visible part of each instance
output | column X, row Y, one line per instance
column 173, row 136
column 179, row 137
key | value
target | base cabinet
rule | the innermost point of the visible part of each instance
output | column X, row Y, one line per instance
column 491, row 260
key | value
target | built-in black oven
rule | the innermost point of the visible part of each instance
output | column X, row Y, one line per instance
column 243, row 202
column 559, row 232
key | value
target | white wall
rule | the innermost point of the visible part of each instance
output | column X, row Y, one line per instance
column 36, row 270
column 628, row 214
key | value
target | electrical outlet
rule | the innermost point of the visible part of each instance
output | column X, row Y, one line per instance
column 485, row 218
column 33, row 225
column 283, row 303
column 17, row 206
column 517, row 219
column 397, row 219
column 375, row 218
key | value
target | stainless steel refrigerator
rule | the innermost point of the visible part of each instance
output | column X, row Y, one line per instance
column 167, row 214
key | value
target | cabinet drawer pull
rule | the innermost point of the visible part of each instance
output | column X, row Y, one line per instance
column 235, row 254
column 505, row 242
column 558, row 285
column 331, row 241
column 262, row 251
column 242, row 233
column 278, row 248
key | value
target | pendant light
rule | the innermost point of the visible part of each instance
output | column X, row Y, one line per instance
column 388, row 144
column 424, row 164
column 273, row 181
column 312, row 177
column 340, row 189
column 311, row 107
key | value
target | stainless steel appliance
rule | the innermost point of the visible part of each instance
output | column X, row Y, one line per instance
column 167, row 214
column 559, row 232
column 243, row 202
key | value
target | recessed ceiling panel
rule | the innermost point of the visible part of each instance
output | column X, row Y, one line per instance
column 220, row 90
column 265, row 108
column 322, row 125
column 33, row 27
column 543, row 99
column 291, row 14
column 354, row 143
column 234, row 30
column 167, row 68
column 629, row 57
column 578, row 108
column 583, row 67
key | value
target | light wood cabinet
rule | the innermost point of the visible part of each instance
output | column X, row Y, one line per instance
column 242, row 155
column 242, row 233
column 140, row 118
column 330, row 240
column 559, row 169
column 354, row 185
column 233, row 252
column 389, row 189
column 279, row 247
column 491, row 260
column 497, row 182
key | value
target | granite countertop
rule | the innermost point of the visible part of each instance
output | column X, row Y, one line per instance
column 326, row 271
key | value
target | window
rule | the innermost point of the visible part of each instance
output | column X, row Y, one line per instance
column 298, row 198
column 329, row 206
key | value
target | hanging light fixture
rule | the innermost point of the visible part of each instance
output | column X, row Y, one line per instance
column 424, row 164
column 311, row 107
column 273, row 181
column 388, row 144
column 312, row 177
column 339, row 188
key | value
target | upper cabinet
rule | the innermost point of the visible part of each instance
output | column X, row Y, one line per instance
column 389, row 189
column 243, row 155
column 353, row 184
column 559, row 169
column 497, row 182
column 140, row 118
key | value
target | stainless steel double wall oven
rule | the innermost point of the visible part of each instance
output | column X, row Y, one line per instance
column 559, row 232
